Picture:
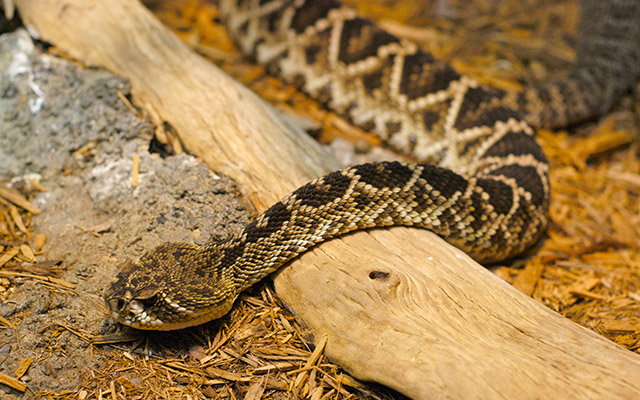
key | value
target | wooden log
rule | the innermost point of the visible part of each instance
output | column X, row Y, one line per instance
column 400, row 306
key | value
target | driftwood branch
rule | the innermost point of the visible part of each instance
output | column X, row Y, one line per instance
column 400, row 306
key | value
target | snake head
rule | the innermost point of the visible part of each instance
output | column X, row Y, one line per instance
column 173, row 286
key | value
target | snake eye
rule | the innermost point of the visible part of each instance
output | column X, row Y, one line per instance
column 120, row 304
column 149, row 302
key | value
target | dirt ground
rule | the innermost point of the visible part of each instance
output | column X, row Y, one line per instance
column 65, row 127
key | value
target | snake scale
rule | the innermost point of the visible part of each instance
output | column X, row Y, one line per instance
column 482, row 181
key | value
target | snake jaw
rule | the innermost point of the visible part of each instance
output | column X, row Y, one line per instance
column 132, row 309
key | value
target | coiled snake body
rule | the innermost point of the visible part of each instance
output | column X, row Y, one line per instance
column 482, row 184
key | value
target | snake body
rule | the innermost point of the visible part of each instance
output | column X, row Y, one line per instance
column 482, row 183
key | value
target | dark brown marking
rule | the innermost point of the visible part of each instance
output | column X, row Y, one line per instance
column 334, row 186
column 384, row 175
column 323, row 95
column 310, row 12
column 446, row 182
column 373, row 80
column 527, row 178
column 430, row 118
column 368, row 126
column 232, row 254
column 500, row 194
column 276, row 216
column 311, row 53
column 361, row 39
column 274, row 18
column 422, row 74
column 477, row 211
column 485, row 115
column 363, row 201
column 393, row 127
column 516, row 143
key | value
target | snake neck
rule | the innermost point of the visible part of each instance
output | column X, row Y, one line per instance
column 262, row 247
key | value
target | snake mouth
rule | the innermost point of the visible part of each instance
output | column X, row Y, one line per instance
column 149, row 309
column 134, row 310
column 159, row 312
column 133, row 314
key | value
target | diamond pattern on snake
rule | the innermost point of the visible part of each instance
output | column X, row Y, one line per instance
column 481, row 182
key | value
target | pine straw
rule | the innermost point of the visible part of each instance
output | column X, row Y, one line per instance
column 18, row 251
column 258, row 351
column 18, row 247
column 587, row 268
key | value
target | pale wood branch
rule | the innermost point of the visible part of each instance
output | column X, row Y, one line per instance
column 399, row 306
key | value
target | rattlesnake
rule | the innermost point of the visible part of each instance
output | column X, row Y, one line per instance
column 482, row 183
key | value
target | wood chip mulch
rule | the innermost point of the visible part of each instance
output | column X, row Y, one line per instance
column 18, row 251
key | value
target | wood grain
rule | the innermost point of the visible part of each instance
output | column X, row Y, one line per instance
column 399, row 306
